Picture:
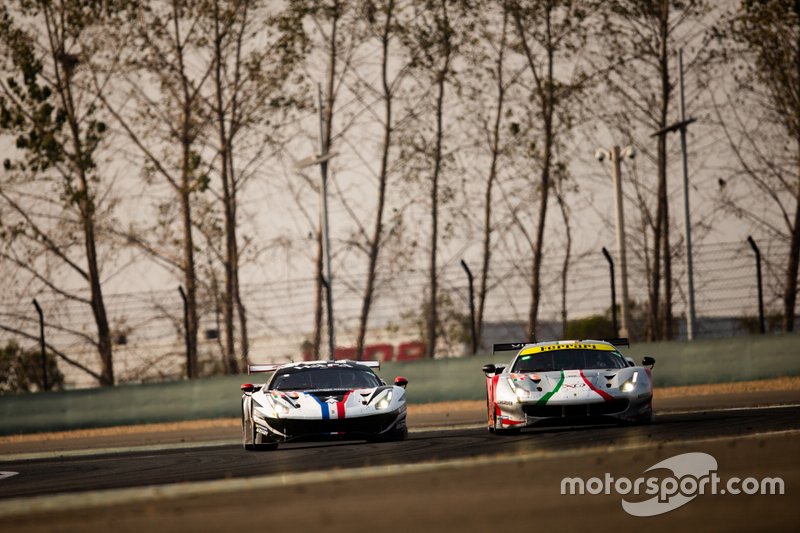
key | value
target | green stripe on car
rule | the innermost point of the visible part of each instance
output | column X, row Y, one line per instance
column 543, row 400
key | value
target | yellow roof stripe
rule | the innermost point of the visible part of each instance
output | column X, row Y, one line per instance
column 570, row 346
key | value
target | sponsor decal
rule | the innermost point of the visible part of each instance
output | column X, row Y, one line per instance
column 570, row 346
column 683, row 477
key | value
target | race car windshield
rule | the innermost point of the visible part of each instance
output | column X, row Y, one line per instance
column 574, row 359
column 298, row 378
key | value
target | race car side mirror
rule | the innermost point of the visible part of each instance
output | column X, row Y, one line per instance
column 248, row 387
column 648, row 361
column 400, row 381
column 493, row 370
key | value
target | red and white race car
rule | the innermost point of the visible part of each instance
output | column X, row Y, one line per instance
column 567, row 379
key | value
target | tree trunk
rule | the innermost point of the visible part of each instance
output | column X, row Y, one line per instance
column 790, row 292
column 375, row 242
column 660, row 237
column 318, row 298
column 98, row 306
column 229, row 221
column 487, row 208
column 87, row 213
column 667, row 253
column 326, row 135
column 547, row 105
column 433, row 316
column 190, row 281
column 184, row 193
column 565, row 265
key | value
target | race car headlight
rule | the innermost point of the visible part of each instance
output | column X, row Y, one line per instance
column 521, row 392
column 629, row 385
column 279, row 407
column 384, row 402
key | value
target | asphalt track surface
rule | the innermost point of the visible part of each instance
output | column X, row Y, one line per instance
column 767, row 439
column 155, row 467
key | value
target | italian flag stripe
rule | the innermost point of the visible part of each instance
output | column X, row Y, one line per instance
column 543, row 400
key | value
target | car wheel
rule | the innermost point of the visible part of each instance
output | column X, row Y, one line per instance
column 247, row 438
column 262, row 443
column 400, row 434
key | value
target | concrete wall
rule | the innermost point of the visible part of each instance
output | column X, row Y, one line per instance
column 678, row 363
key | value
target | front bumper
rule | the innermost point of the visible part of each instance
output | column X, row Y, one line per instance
column 284, row 429
column 526, row 414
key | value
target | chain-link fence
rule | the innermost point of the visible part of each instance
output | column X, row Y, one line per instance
column 147, row 326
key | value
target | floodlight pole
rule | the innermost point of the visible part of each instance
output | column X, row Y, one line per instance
column 681, row 126
column 616, row 178
column 322, row 159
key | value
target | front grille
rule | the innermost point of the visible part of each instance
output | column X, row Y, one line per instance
column 326, row 395
column 365, row 425
column 576, row 411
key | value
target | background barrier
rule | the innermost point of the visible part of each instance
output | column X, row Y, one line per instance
column 677, row 363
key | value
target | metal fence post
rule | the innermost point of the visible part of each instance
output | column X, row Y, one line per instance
column 189, row 365
column 473, row 326
column 761, row 321
column 613, row 292
column 45, row 383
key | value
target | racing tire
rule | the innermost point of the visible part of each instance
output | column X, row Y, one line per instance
column 262, row 444
column 645, row 420
column 245, row 445
column 394, row 435
column 399, row 434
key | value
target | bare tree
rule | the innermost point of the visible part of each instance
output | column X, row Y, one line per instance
column 385, row 31
column 499, row 49
column 431, row 41
column 249, row 92
column 762, row 39
column 549, row 33
column 160, row 51
column 51, row 192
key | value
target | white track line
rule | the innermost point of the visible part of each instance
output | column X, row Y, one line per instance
column 100, row 498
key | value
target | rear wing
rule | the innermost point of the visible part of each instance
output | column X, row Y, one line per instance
column 621, row 341
column 508, row 347
column 251, row 369
column 514, row 346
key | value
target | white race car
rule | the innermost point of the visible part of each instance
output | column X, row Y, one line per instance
column 567, row 379
column 320, row 399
